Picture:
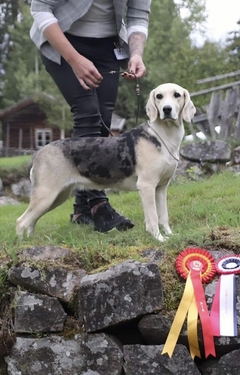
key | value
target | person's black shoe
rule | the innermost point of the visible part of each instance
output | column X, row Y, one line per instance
column 85, row 219
column 106, row 218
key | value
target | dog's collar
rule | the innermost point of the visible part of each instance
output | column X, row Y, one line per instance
column 158, row 136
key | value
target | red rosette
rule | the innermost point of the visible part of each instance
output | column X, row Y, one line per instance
column 229, row 264
column 196, row 259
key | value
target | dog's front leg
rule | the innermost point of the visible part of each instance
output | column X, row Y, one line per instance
column 162, row 210
column 147, row 194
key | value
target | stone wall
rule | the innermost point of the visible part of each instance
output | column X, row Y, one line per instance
column 66, row 322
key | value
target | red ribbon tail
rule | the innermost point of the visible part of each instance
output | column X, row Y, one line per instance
column 203, row 313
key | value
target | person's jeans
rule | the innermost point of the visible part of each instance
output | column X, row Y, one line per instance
column 86, row 105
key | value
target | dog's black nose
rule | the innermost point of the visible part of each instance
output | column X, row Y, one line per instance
column 167, row 109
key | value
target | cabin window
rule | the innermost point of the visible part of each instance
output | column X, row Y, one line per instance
column 43, row 137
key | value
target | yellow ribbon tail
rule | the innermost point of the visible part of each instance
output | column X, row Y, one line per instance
column 192, row 322
column 179, row 318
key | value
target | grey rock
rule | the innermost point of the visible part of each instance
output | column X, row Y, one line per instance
column 98, row 354
column 210, row 367
column 3, row 367
column 53, row 281
column 125, row 291
column 186, row 169
column 207, row 151
column 22, row 188
column 155, row 329
column 236, row 155
column 1, row 187
column 154, row 255
column 148, row 360
column 227, row 365
column 45, row 253
column 4, row 201
column 37, row 313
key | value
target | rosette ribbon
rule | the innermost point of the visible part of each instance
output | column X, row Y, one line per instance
column 223, row 313
column 196, row 266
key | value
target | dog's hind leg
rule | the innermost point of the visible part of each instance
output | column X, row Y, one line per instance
column 162, row 210
column 147, row 194
column 61, row 198
column 38, row 206
column 41, row 202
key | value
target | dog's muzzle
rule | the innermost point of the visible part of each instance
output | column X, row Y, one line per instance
column 167, row 110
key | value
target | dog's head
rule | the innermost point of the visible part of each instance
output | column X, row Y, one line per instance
column 170, row 102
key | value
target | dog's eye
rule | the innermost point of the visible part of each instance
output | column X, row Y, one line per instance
column 159, row 96
column 176, row 95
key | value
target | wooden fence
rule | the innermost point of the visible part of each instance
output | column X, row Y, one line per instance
column 223, row 111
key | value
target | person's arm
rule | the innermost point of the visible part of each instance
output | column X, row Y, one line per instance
column 137, row 27
column 83, row 68
column 137, row 41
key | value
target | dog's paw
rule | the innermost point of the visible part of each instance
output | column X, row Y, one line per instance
column 167, row 230
column 159, row 237
column 19, row 232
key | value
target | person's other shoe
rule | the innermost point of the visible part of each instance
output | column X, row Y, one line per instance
column 106, row 218
column 85, row 219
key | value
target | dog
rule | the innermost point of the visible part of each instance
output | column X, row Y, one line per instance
column 143, row 158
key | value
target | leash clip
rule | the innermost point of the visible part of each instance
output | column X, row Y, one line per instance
column 137, row 89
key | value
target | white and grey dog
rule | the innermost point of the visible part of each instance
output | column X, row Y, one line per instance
column 144, row 159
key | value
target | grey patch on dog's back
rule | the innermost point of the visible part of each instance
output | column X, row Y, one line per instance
column 102, row 159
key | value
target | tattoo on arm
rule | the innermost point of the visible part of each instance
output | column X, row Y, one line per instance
column 136, row 43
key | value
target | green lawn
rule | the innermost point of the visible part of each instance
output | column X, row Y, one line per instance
column 55, row 228
column 195, row 209
column 14, row 162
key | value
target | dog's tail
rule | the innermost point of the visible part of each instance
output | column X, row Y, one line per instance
column 30, row 165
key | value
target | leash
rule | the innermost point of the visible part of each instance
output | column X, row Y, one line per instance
column 137, row 89
column 174, row 157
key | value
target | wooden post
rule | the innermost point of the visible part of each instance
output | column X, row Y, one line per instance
column 7, row 139
column 213, row 112
column 62, row 133
column 20, row 140
column 36, row 71
column 237, row 131
column 228, row 113
column 31, row 139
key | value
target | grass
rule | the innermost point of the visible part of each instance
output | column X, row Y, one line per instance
column 12, row 169
column 202, row 213
column 14, row 162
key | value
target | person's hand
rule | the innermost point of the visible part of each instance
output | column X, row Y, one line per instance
column 86, row 73
column 136, row 67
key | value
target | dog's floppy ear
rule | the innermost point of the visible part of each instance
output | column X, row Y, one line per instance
column 151, row 108
column 188, row 109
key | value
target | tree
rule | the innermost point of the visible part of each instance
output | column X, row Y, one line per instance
column 20, row 78
column 8, row 14
column 9, row 11
column 25, row 75
column 234, row 45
